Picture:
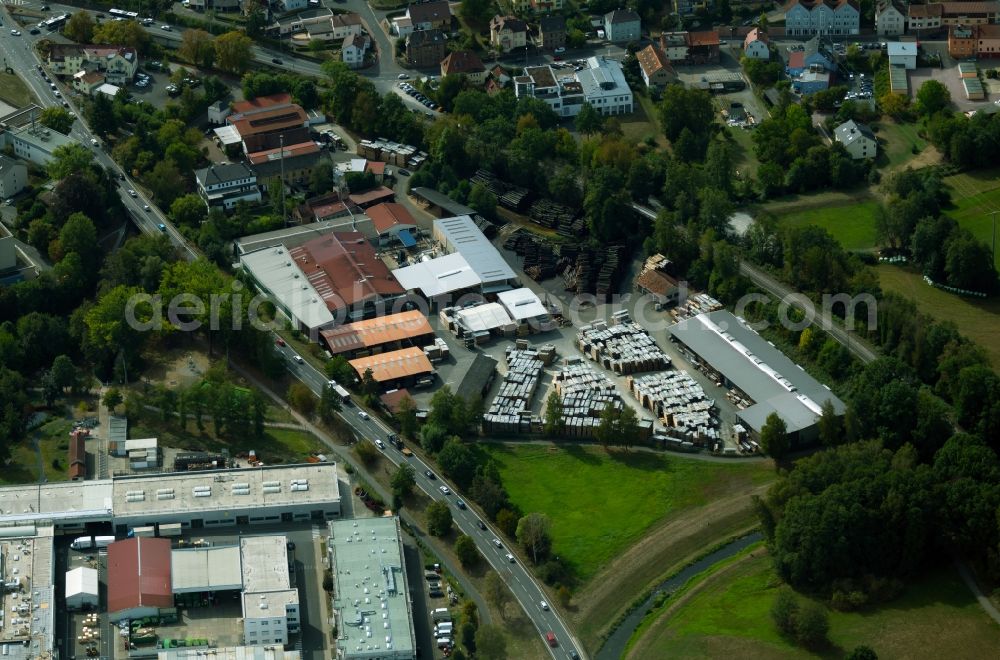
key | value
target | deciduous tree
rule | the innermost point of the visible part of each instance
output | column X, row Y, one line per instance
column 56, row 118
column 403, row 480
column 233, row 51
column 466, row 551
column 533, row 533
column 80, row 28
column 197, row 48
column 438, row 516
column 774, row 437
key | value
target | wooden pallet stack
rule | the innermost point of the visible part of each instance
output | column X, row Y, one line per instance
column 695, row 305
column 678, row 401
column 624, row 348
column 584, row 393
column 510, row 410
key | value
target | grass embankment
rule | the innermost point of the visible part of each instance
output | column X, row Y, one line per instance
column 277, row 446
column 975, row 196
column 728, row 615
column 600, row 503
column 976, row 318
column 898, row 143
column 14, row 91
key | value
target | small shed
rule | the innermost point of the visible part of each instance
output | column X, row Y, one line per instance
column 967, row 70
column 81, row 588
column 973, row 89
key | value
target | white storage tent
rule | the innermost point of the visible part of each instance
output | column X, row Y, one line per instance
column 81, row 588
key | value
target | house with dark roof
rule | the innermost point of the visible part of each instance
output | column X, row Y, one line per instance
column 805, row 18
column 430, row 15
column 552, row 32
column 224, row 186
column 621, row 25
column 138, row 575
column 353, row 50
column 508, row 33
column 655, row 67
column 466, row 63
column 425, row 48
column 859, row 140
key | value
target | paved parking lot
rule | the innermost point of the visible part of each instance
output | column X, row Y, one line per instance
column 728, row 63
column 949, row 78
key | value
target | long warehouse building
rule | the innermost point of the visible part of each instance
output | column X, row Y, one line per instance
column 208, row 498
column 746, row 361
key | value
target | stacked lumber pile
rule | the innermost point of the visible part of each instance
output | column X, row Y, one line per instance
column 679, row 402
column 623, row 347
column 510, row 410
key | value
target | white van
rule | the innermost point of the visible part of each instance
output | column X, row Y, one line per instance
column 443, row 628
column 444, row 642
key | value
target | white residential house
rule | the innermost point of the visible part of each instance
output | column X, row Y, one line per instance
column 217, row 113
column 601, row 84
column 755, row 45
column 622, row 25
column 285, row 6
column 226, row 185
column 903, row 54
column 13, row 176
column 118, row 64
column 804, row 18
column 890, row 19
column 352, row 53
column 858, row 139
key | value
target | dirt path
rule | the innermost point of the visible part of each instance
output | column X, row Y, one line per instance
column 661, row 551
column 970, row 581
column 640, row 649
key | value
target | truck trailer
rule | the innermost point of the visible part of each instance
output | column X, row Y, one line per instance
column 91, row 542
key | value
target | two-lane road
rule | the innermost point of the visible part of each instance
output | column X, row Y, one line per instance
column 521, row 583
column 19, row 54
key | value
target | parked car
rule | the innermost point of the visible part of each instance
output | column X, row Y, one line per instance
column 34, row 31
column 561, row 49
column 403, row 172
column 402, row 76
column 16, row 33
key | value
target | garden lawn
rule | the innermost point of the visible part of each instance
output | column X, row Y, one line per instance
column 277, row 446
column 728, row 615
column 977, row 319
column 975, row 196
column 899, row 141
column 853, row 225
column 601, row 503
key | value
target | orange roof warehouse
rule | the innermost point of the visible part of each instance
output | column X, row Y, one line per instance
column 378, row 335
column 395, row 368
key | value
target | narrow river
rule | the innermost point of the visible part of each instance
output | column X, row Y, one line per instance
column 614, row 647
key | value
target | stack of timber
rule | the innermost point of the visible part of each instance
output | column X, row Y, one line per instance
column 510, row 410
column 624, row 347
column 584, row 393
column 695, row 305
column 679, row 402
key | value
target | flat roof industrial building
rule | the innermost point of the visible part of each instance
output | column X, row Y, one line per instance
column 371, row 599
column 470, row 262
column 194, row 570
column 764, row 374
column 229, row 653
column 193, row 499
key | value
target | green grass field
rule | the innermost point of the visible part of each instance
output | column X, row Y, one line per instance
column 13, row 91
column 746, row 159
column 899, row 141
column 277, row 446
column 853, row 225
column 729, row 616
column 601, row 503
column 977, row 319
column 642, row 124
column 975, row 196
